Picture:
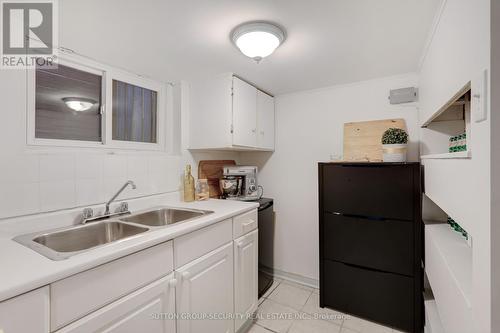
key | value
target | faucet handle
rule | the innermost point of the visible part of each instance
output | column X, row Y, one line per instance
column 87, row 213
column 123, row 207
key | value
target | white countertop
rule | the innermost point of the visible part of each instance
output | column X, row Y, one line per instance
column 23, row 269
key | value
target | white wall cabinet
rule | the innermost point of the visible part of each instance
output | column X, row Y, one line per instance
column 26, row 313
column 265, row 121
column 227, row 113
column 206, row 288
column 244, row 114
column 145, row 310
column 246, row 257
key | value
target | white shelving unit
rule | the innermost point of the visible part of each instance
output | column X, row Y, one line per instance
column 445, row 112
column 452, row 119
column 448, row 266
column 460, row 154
column 432, row 321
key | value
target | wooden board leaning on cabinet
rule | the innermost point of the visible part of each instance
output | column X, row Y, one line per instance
column 212, row 171
column 362, row 140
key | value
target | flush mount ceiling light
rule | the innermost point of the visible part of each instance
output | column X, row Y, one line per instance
column 257, row 40
column 79, row 104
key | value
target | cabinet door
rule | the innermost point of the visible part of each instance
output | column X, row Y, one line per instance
column 385, row 244
column 265, row 121
column 246, row 256
column 385, row 191
column 149, row 309
column 379, row 296
column 26, row 313
column 244, row 114
column 205, row 290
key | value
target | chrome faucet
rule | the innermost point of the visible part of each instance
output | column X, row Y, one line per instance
column 131, row 183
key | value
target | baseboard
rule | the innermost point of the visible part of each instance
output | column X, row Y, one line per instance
column 292, row 277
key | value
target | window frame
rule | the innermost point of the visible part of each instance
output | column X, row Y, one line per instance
column 108, row 74
column 160, row 111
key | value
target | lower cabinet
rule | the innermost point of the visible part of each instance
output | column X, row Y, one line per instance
column 204, row 294
column 246, row 257
column 150, row 309
column 146, row 292
column 27, row 313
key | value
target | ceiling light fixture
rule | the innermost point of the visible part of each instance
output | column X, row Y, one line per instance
column 79, row 104
column 257, row 40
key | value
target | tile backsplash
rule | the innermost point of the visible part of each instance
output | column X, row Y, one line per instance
column 40, row 182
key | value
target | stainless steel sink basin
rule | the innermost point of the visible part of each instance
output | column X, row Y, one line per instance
column 63, row 243
column 165, row 216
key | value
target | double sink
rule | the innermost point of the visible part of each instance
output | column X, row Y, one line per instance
column 63, row 243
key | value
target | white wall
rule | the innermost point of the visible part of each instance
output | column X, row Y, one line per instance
column 309, row 129
column 38, row 179
column 458, row 53
column 42, row 179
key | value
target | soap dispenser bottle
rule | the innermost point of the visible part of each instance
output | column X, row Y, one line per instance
column 188, row 185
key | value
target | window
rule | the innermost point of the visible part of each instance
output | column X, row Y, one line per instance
column 134, row 113
column 86, row 104
column 68, row 104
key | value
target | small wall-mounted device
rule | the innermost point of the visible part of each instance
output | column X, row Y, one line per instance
column 403, row 95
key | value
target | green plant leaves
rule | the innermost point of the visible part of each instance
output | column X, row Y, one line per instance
column 394, row 136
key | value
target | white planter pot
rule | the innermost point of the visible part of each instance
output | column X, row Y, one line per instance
column 394, row 153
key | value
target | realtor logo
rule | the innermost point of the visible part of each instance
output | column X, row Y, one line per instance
column 28, row 33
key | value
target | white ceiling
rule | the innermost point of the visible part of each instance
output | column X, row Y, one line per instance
column 329, row 41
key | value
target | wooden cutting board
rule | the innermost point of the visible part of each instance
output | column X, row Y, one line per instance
column 362, row 140
column 212, row 171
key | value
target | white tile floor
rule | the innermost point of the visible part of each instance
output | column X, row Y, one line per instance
column 293, row 308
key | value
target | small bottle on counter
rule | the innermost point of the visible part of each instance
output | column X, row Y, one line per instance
column 188, row 185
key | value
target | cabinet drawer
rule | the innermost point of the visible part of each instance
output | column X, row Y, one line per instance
column 369, row 190
column 244, row 223
column 198, row 243
column 26, row 313
column 137, row 312
column 380, row 244
column 382, row 297
column 83, row 293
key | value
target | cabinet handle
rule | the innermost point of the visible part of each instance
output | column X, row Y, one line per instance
column 254, row 130
column 186, row 276
column 172, row 283
column 248, row 223
column 362, row 217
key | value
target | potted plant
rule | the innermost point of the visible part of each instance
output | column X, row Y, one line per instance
column 394, row 145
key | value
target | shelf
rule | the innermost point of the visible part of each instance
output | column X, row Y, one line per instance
column 448, row 265
column 232, row 149
column 432, row 321
column 447, row 107
column 460, row 154
column 456, row 253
